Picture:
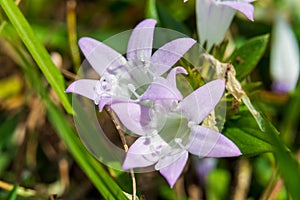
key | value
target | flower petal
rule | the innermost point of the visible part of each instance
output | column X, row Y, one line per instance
column 133, row 116
column 140, row 42
column 212, row 21
column 173, row 171
column 167, row 55
column 84, row 87
column 161, row 89
column 205, row 142
column 169, row 156
column 244, row 7
column 172, row 75
column 202, row 101
column 142, row 153
column 101, row 57
column 284, row 63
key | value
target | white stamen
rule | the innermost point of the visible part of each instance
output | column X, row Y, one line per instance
column 179, row 142
column 132, row 89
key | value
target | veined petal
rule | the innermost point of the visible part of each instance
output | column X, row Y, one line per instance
column 202, row 101
column 133, row 116
column 170, row 156
column 101, row 57
column 167, row 55
column 84, row 87
column 140, row 42
column 173, row 171
column 161, row 89
column 244, row 7
column 142, row 152
column 205, row 142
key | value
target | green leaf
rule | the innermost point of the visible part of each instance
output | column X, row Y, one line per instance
column 245, row 58
column 245, row 133
column 243, row 130
column 94, row 170
column 37, row 50
column 13, row 193
column 287, row 164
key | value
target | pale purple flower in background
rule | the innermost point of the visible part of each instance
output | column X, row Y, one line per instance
column 170, row 129
column 214, row 18
column 121, row 77
column 284, row 56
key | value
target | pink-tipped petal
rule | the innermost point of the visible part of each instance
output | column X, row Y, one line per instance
column 173, row 171
column 202, row 101
column 133, row 116
column 140, row 42
column 167, row 55
column 161, row 89
column 246, row 8
column 101, row 57
column 205, row 142
column 84, row 87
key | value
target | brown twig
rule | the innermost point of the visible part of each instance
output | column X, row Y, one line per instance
column 72, row 33
column 123, row 139
column 243, row 180
column 20, row 191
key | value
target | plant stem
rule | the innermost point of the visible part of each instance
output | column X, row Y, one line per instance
column 123, row 139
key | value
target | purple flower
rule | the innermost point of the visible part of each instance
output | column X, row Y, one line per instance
column 215, row 16
column 170, row 129
column 120, row 78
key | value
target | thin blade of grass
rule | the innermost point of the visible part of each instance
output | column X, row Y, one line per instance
column 37, row 50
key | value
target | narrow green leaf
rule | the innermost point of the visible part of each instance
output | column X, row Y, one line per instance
column 13, row 193
column 287, row 164
column 245, row 133
column 247, row 56
column 94, row 170
column 37, row 50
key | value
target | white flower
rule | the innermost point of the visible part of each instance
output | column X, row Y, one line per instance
column 284, row 57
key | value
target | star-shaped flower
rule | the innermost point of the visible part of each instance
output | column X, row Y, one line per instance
column 170, row 129
column 125, row 79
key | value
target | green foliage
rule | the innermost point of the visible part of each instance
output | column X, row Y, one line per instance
column 218, row 190
column 37, row 50
column 13, row 193
column 245, row 133
column 167, row 21
column 245, row 58
column 94, row 170
column 243, row 130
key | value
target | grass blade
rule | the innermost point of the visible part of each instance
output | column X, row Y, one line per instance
column 37, row 50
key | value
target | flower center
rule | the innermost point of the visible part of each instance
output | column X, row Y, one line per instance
column 104, row 88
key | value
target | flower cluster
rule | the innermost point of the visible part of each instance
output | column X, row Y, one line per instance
column 150, row 105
